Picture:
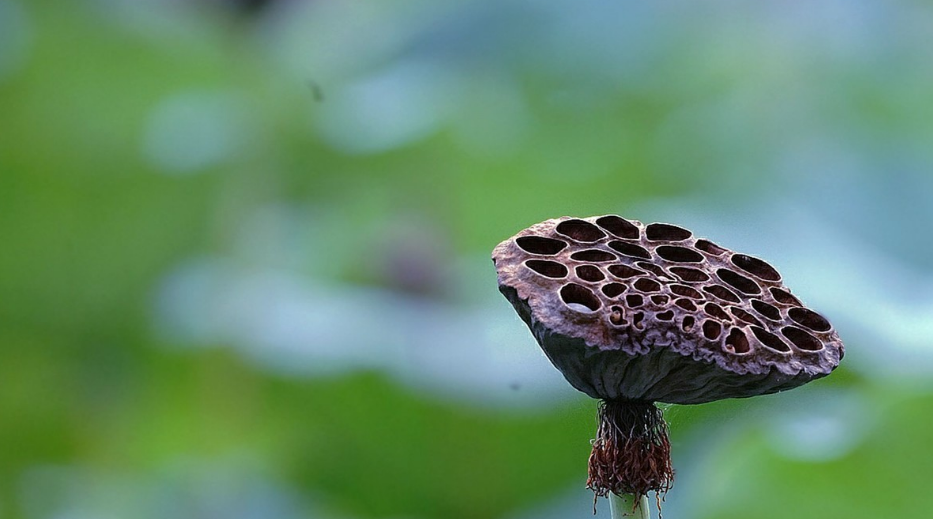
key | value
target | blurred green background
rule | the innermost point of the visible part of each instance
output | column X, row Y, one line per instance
column 244, row 248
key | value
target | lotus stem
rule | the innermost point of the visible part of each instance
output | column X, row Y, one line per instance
column 624, row 506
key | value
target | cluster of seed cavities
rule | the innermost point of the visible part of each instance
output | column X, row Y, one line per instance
column 634, row 276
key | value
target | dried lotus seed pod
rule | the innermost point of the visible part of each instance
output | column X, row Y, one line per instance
column 634, row 314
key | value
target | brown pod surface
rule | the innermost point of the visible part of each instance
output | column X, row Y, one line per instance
column 650, row 313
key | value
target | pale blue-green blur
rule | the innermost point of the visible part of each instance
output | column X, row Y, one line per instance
column 244, row 248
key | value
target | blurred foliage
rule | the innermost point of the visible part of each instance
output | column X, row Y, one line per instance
column 91, row 222
column 885, row 475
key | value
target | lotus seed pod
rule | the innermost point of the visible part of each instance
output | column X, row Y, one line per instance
column 635, row 314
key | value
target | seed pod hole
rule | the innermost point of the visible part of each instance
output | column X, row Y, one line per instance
column 716, row 311
column 802, row 339
column 783, row 296
column 624, row 271
column 679, row 254
column 590, row 273
column 546, row 268
column 689, row 275
column 666, row 316
column 688, row 323
column 660, row 299
column 595, row 255
column 540, row 245
column 654, row 269
column 630, row 249
column 809, row 319
column 580, row 230
column 686, row 304
column 616, row 315
column 646, row 285
column 769, row 340
column 769, row 311
column 737, row 342
column 755, row 267
column 738, row 281
column 744, row 316
column 638, row 320
column 619, row 227
column 685, row 291
column 579, row 298
column 722, row 293
column 613, row 290
column 709, row 247
column 634, row 300
column 711, row 330
column 666, row 232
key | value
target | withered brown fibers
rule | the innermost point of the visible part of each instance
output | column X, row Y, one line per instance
column 631, row 452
